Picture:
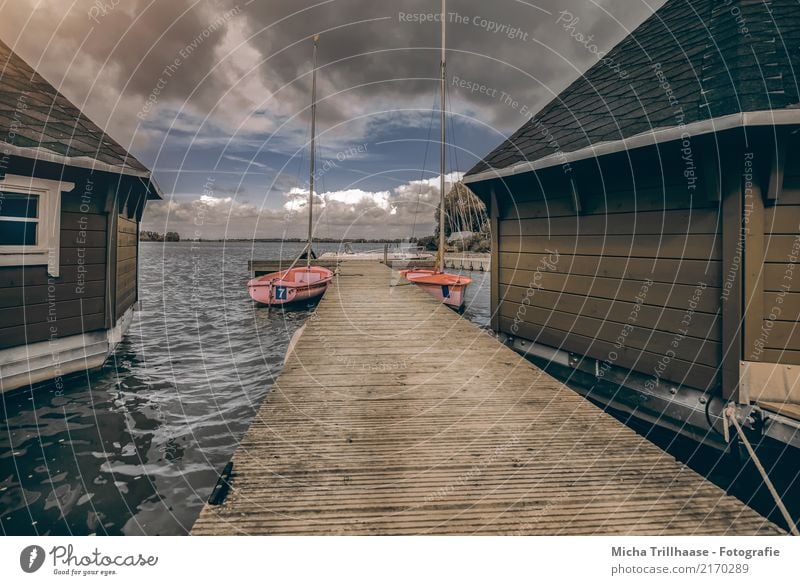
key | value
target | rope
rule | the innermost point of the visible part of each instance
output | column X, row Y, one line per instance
column 730, row 413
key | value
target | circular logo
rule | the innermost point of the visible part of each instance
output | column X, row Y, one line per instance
column 31, row 558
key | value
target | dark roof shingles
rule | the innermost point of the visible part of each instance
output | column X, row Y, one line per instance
column 713, row 68
column 34, row 114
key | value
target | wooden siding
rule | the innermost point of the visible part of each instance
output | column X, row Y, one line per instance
column 35, row 307
column 777, row 338
column 127, row 258
column 628, row 273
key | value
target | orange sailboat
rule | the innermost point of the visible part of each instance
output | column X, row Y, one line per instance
column 447, row 287
column 297, row 283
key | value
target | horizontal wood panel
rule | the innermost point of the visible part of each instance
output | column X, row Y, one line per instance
column 15, row 316
column 11, row 276
column 80, row 221
column 782, row 276
column 32, row 295
column 126, row 226
column 782, row 219
column 791, row 191
column 781, row 334
column 656, row 269
column 126, row 252
column 14, row 336
column 624, row 335
column 781, row 248
column 70, row 256
column 685, row 221
column 552, row 207
column 675, row 370
column 777, row 356
column 74, row 203
column 124, row 266
column 127, row 270
column 701, row 325
column 598, row 202
column 83, row 239
column 676, row 296
column 788, row 304
column 698, row 247
column 124, row 240
column 126, row 282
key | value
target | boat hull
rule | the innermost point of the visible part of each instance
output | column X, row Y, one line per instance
column 290, row 286
column 448, row 288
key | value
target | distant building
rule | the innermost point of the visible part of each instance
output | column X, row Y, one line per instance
column 646, row 220
column 71, row 200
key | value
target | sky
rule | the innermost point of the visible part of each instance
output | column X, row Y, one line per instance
column 214, row 96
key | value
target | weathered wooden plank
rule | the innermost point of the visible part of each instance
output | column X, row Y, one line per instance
column 684, row 221
column 677, row 296
column 656, row 317
column 687, row 348
column 697, row 247
column 81, row 221
column 12, row 276
column 72, row 256
column 42, row 331
column 782, row 248
column 782, row 219
column 31, row 295
column 657, row 269
column 39, row 313
column 83, row 239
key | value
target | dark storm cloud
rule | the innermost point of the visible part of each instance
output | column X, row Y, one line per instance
column 374, row 55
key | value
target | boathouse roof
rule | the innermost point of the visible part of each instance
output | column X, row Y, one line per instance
column 694, row 66
column 38, row 122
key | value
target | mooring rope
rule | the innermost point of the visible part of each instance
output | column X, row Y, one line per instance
column 730, row 413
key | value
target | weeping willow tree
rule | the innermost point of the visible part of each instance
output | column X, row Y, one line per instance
column 464, row 212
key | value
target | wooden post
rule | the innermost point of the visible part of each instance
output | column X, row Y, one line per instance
column 386, row 254
column 494, row 268
column 732, row 259
column 753, row 275
column 777, row 151
column 112, row 210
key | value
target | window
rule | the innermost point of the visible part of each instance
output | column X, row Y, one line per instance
column 19, row 218
column 30, row 221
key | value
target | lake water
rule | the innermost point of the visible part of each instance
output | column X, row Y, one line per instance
column 137, row 447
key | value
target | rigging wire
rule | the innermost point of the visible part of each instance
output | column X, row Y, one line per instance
column 422, row 171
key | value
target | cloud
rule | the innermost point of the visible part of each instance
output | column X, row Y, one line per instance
column 246, row 67
column 404, row 211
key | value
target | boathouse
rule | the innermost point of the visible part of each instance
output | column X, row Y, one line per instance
column 646, row 221
column 71, row 200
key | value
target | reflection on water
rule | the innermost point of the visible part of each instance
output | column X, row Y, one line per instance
column 136, row 447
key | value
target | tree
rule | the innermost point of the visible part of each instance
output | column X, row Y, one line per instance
column 464, row 212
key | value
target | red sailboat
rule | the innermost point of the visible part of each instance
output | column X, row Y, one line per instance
column 447, row 287
column 297, row 283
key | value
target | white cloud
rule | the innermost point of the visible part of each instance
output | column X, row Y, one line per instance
column 353, row 213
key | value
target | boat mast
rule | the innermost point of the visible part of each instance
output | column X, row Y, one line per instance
column 312, row 155
column 440, row 255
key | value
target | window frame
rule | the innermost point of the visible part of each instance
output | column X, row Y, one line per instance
column 48, row 234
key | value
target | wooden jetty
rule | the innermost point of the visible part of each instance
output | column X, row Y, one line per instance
column 394, row 415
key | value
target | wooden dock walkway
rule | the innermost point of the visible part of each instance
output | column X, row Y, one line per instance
column 394, row 415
